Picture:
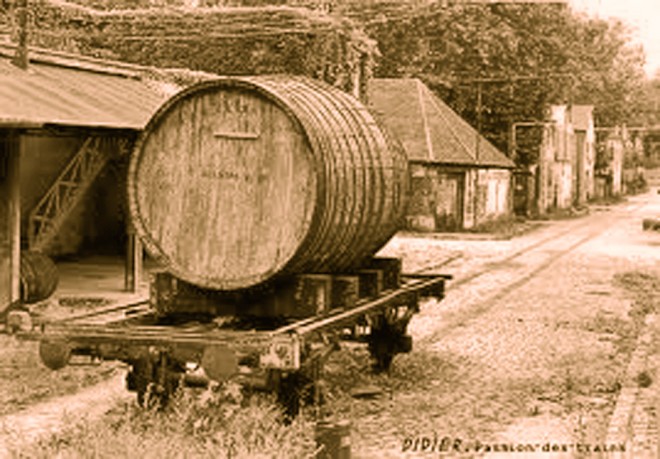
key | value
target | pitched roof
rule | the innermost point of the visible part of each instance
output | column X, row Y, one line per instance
column 63, row 89
column 428, row 129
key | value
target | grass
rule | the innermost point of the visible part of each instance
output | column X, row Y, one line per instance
column 592, row 381
column 505, row 227
column 214, row 423
column 564, row 214
column 444, row 390
column 644, row 287
column 24, row 380
column 439, row 389
column 623, row 333
column 609, row 200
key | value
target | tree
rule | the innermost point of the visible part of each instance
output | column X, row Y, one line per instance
column 521, row 57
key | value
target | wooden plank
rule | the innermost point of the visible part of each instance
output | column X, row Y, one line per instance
column 312, row 295
column 133, row 262
column 345, row 291
column 371, row 282
column 9, row 220
column 391, row 268
column 15, row 214
column 305, row 295
column 169, row 295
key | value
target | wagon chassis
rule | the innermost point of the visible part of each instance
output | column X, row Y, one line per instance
column 287, row 359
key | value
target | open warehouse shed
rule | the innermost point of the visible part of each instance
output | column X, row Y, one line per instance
column 67, row 125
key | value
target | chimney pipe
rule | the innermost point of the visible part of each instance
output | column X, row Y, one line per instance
column 21, row 57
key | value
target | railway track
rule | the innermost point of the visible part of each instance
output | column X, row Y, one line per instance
column 580, row 224
column 480, row 289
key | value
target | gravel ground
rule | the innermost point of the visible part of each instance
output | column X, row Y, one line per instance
column 534, row 351
column 25, row 381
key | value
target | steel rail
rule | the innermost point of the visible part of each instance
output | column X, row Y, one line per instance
column 524, row 250
column 137, row 306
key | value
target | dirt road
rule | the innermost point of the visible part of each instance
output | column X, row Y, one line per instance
column 47, row 418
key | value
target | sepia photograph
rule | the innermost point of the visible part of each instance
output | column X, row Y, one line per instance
column 329, row 229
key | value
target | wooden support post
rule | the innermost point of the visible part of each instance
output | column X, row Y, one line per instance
column 133, row 265
column 10, row 230
column 371, row 282
column 15, row 216
column 391, row 268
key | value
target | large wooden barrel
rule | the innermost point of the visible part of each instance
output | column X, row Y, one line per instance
column 239, row 180
column 39, row 277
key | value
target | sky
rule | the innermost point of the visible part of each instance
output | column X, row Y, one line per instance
column 644, row 15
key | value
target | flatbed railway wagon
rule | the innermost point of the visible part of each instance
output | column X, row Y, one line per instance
column 264, row 199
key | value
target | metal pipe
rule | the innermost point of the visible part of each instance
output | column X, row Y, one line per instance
column 21, row 59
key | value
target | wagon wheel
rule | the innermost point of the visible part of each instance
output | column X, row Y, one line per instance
column 154, row 380
column 382, row 347
column 299, row 388
column 291, row 393
column 388, row 337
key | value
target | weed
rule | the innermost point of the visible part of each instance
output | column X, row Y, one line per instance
column 609, row 200
column 24, row 380
column 217, row 422
column 623, row 332
column 505, row 227
column 564, row 214
column 645, row 290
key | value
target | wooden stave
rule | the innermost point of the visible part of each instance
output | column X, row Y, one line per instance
column 391, row 221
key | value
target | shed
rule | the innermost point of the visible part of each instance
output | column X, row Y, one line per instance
column 561, row 170
column 459, row 179
column 67, row 124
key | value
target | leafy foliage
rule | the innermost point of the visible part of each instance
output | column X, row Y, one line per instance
column 520, row 57
column 227, row 41
column 650, row 108
column 515, row 59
